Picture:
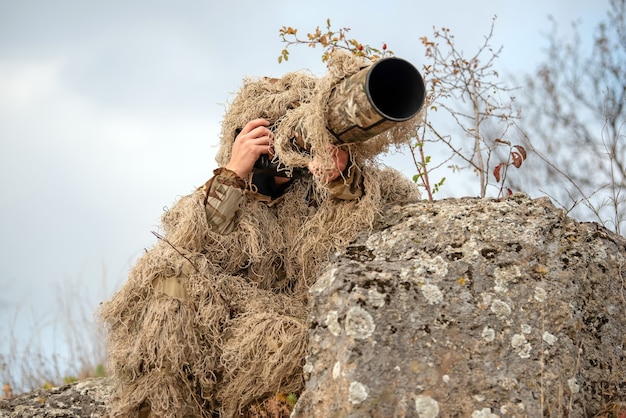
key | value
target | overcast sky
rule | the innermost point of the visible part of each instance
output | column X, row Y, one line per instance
column 110, row 110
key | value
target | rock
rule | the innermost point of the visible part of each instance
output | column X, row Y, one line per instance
column 84, row 399
column 470, row 307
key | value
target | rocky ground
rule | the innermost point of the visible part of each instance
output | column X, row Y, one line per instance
column 83, row 399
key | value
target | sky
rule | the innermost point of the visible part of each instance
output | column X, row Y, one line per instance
column 110, row 111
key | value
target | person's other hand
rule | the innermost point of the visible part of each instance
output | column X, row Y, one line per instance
column 340, row 158
column 254, row 140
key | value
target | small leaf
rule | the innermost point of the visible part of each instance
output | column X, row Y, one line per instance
column 517, row 159
column 521, row 150
column 496, row 172
column 292, row 398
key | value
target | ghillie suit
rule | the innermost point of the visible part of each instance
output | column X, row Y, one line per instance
column 214, row 316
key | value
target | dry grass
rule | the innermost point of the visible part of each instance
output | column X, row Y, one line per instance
column 55, row 347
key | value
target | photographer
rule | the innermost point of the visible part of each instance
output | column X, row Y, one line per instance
column 213, row 318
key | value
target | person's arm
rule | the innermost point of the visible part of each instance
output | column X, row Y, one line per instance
column 223, row 194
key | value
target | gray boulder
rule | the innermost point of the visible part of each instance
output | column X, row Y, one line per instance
column 470, row 308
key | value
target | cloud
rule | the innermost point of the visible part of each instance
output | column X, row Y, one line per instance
column 82, row 182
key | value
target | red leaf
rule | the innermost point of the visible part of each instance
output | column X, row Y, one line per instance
column 496, row 172
column 509, row 191
column 521, row 150
column 518, row 159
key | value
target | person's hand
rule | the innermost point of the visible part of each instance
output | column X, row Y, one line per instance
column 254, row 140
column 339, row 157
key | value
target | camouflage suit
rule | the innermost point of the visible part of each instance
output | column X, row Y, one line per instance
column 213, row 317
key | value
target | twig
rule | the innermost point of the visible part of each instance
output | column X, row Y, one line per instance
column 422, row 169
